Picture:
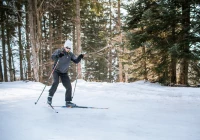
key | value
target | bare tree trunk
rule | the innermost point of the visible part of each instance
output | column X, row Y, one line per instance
column 2, row 19
column 78, row 33
column 60, row 19
column 120, row 40
column 34, row 39
column 13, row 68
column 184, row 71
column 1, row 71
column 144, row 63
column 4, row 57
column 39, row 42
column 74, row 50
column 185, row 46
column 3, row 44
column 20, row 41
column 1, row 68
column 173, row 58
column 110, row 65
column 50, row 44
column 41, row 58
column 173, row 70
column 110, row 51
column 9, row 53
column 29, row 76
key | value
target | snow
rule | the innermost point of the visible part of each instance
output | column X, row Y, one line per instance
column 137, row 111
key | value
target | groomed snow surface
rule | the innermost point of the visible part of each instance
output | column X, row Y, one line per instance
column 137, row 111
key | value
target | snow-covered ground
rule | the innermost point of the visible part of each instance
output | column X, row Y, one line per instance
column 137, row 111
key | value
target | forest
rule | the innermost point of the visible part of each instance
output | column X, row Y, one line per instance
column 124, row 40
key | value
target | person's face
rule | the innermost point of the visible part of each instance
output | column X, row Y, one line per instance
column 67, row 49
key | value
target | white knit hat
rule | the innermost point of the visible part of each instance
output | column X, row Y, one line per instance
column 68, row 44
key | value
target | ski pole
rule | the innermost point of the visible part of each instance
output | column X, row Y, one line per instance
column 75, row 85
column 47, row 81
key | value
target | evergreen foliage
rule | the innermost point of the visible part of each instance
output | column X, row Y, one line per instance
column 163, row 28
column 161, row 38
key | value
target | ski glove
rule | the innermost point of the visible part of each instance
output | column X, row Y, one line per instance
column 81, row 55
column 61, row 55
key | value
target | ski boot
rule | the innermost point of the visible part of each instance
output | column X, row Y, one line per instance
column 49, row 100
column 70, row 104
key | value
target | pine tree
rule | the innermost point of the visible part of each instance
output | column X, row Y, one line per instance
column 94, row 39
column 167, row 41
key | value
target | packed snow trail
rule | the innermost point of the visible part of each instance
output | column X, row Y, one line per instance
column 139, row 111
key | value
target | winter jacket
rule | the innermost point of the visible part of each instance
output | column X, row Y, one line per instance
column 64, row 61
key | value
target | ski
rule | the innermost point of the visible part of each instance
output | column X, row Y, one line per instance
column 53, row 108
column 84, row 107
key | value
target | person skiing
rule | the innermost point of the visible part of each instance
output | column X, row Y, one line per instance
column 65, row 56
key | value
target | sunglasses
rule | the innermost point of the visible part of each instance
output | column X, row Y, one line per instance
column 68, row 48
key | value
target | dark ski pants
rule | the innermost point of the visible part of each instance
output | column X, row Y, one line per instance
column 66, row 83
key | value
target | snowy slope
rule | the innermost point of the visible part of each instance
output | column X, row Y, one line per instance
column 137, row 111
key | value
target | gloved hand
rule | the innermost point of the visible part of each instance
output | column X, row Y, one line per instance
column 81, row 55
column 61, row 55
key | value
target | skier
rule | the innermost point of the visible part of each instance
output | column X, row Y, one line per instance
column 65, row 56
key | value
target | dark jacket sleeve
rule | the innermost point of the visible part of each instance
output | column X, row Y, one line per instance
column 75, row 59
column 55, row 55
